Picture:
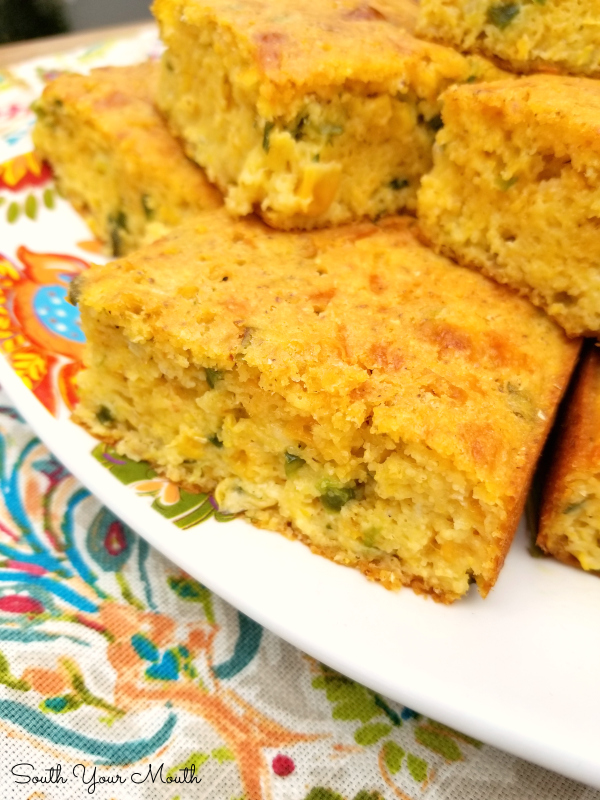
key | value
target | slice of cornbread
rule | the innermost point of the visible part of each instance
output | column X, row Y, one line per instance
column 515, row 190
column 561, row 35
column 570, row 517
column 114, row 158
column 308, row 114
column 349, row 387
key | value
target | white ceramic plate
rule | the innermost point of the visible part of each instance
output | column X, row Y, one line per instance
column 520, row 670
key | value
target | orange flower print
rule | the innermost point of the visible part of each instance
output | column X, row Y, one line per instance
column 166, row 492
column 40, row 330
column 23, row 171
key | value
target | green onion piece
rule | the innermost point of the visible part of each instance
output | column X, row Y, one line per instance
column 75, row 290
column 121, row 219
column 292, row 464
column 38, row 109
column 368, row 537
column 335, row 498
column 502, row 15
column 104, row 416
column 505, row 185
column 398, row 183
column 297, row 128
column 147, row 206
column 214, row 439
column 212, row 376
column 435, row 123
column 266, row 143
column 117, row 223
column 329, row 131
column 574, row 506
column 115, row 242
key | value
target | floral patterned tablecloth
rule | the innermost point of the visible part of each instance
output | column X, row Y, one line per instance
column 122, row 678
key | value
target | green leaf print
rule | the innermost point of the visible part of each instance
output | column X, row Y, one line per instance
column 370, row 734
column 439, row 743
column 320, row 793
column 31, row 206
column 417, row 767
column 8, row 679
column 222, row 754
column 48, row 198
column 123, row 468
column 195, row 760
column 13, row 211
column 365, row 795
column 350, row 699
column 439, row 726
column 194, row 592
column 392, row 756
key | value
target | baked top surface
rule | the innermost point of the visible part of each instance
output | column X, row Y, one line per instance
column 557, row 105
column 362, row 319
column 334, row 41
column 550, row 35
column 112, row 97
column 580, row 446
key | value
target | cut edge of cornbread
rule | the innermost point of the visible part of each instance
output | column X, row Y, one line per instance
column 370, row 488
column 380, row 566
column 510, row 196
column 287, row 132
column 569, row 526
column 113, row 157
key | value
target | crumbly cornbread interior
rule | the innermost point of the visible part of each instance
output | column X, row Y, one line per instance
column 114, row 158
column 574, row 532
column 515, row 191
column 527, row 35
column 348, row 387
column 309, row 115
column 570, row 518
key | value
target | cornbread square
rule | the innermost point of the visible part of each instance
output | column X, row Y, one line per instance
column 570, row 515
column 515, row 190
column 114, row 158
column 350, row 388
column 560, row 35
column 308, row 114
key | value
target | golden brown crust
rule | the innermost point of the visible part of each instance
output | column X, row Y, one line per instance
column 564, row 110
column 578, row 450
column 554, row 35
column 310, row 47
column 114, row 158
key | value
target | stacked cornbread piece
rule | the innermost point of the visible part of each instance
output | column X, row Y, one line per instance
column 114, row 158
column 309, row 113
column 560, row 35
column 350, row 386
column 515, row 193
